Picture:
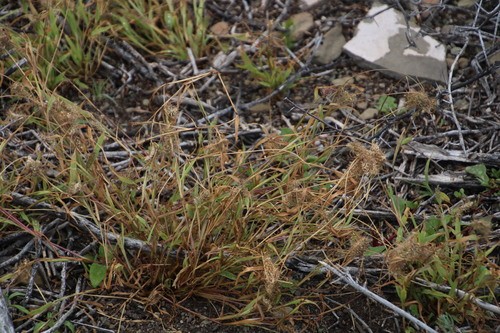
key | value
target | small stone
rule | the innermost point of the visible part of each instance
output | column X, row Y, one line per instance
column 220, row 28
column 449, row 61
column 342, row 80
column 301, row 24
column 261, row 107
column 368, row 114
column 362, row 105
column 463, row 63
column 361, row 77
column 455, row 50
column 447, row 29
column 332, row 45
column 466, row 3
column 461, row 105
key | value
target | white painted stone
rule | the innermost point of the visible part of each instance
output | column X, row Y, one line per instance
column 381, row 43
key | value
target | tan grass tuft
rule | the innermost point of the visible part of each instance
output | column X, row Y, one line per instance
column 339, row 95
column 366, row 161
column 271, row 276
column 296, row 194
column 404, row 256
column 359, row 244
column 482, row 227
column 420, row 101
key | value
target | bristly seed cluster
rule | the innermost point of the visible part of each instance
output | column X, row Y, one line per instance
column 366, row 161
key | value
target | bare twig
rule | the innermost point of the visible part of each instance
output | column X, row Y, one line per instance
column 68, row 313
column 460, row 294
column 15, row 67
column 439, row 154
column 193, row 61
column 18, row 256
column 365, row 326
column 6, row 325
column 129, row 54
column 33, row 272
column 347, row 278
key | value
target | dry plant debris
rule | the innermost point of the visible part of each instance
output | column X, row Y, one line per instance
column 185, row 166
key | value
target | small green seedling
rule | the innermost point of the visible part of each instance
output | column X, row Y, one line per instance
column 386, row 104
column 479, row 171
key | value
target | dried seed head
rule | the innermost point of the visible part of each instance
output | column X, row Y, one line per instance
column 420, row 101
column 271, row 275
column 402, row 258
column 366, row 161
column 482, row 227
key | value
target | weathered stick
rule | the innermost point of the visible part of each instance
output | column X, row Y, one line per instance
column 347, row 278
column 460, row 293
column 6, row 325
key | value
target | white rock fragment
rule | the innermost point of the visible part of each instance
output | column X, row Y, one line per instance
column 381, row 43
column 306, row 4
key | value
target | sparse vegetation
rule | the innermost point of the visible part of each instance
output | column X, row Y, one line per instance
column 169, row 28
column 189, row 204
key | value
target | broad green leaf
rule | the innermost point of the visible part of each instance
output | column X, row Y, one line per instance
column 70, row 326
column 229, row 275
column 479, row 171
column 97, row 274
column 372, row 250
column 386, row 104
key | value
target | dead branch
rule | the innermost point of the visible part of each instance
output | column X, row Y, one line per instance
column 460, row 293
column 347, row 278
column 6, row 324
column 435, row 153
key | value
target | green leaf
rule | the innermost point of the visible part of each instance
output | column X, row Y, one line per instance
column 441, row 197
column 402, row 293
column 372, row 250
column 20, row 308
column 15, row 294
column 479, row 171
column 482, row 274
column 435, row 293
column 39, row 326
column 459, row 194
column 229, row 275
column 386, row 104
column 97, row 274
column 69, row 325
column 286, row 131
column 406, row 141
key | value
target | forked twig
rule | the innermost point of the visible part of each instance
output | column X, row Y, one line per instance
column 347, row 278
column 68, row 313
